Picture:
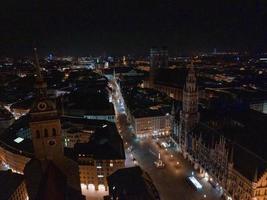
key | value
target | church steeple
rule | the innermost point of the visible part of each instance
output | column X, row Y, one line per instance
column 255, row 179
column 114, row 74
column 190, row 85
column 46, row 134
column 189, row 116
column 44, row 121
column 40, row 85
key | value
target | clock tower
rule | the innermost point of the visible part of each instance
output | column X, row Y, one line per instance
column 189, row 115
column 47, row 138
column 44, row 122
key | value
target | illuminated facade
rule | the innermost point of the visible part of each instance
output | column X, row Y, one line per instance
column 152, row 125
column 233, row 170
column 189, row 115
column 100, row 157
column 94, row 173
column 249, row 185
column 13, row 159
column 20, row 193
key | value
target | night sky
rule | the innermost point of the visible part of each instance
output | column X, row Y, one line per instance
column 84, row 27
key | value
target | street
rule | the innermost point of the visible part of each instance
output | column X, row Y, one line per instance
column 170, row 180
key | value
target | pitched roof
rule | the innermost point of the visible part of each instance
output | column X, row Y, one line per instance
column 105, row 143
column 45, row 181
column 9, row 182
column 132, row 181
column 53, row 185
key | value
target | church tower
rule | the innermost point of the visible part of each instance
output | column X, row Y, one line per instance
column 189, row 115
column 44, row 122
column 46, row 133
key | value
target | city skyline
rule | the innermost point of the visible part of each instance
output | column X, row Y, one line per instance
column 133, row 100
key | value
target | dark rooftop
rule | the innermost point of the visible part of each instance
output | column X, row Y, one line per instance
column 144, row 102
column 25, row 147
column 132, row 182
column 5, row 114
column 9, row 182
column 105, row 143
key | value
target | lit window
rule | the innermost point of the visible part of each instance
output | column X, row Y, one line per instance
column 18, row 140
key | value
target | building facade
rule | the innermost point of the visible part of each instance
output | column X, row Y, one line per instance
column 246, row 184
column 94, row 173
column 100, row 157
column 159, row 125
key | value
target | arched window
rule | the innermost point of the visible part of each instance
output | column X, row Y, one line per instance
column 54, row 132
column 38, row 134
column 46, row 132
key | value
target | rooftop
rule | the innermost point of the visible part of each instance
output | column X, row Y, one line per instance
column 132, row 182
column 9, row 182
column 105, row 143
column 20, row 128
column 148, row 102
column 239, row 128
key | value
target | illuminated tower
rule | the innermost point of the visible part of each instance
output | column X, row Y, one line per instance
column 189, row 115
column 46, row 133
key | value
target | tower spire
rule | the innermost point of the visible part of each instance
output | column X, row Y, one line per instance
column 191, row 79
column 256, row 175
column 37, row 64
column 231, row 160
column 40, row 84
column 189, row 115
column 114, row 74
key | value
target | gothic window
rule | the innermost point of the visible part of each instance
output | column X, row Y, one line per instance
column 37, row 134
column 45, row 133
column 54, row 132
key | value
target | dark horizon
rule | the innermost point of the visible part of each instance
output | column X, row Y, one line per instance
column 131, row 27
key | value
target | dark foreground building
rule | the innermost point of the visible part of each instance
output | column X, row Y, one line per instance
column 131, row 183
column 12, row 186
